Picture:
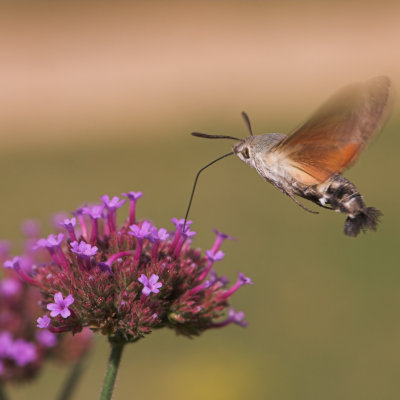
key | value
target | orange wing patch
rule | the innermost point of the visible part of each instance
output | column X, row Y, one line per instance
column 315, row 164
column 337, row 132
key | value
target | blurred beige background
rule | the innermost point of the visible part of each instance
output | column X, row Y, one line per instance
column 68, row 68
column 99, row 97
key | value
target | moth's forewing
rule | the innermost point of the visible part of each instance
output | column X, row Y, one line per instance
column 336, row 133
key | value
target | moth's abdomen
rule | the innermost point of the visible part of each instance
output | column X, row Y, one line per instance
column 344, row 197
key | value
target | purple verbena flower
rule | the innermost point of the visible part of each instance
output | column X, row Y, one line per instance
column 142, row 231
column 10, row 287
column 60, row 305
column 23, row 352
column 96, row 211
column 41, row 243
column 219, row 239
column 79, row 213
column 83, row 249
column 234, row 317
column 215, row 278
column 134, row 196
column 212, row 257
column 219, row 255
column 43, row 322
column 55, row 240
column 113, row 203
column 180, row 222
column 46, row 338
column 161, row 234
column 69, row 223
column 151, row 285
column 242, row 280
column 51, row 241
column 17, row 263
column 5, row 344
column 12, row 264
column 237, row 317
column 188, row 233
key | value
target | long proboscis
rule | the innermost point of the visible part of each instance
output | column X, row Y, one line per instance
column 195, row 184
column 207, row 136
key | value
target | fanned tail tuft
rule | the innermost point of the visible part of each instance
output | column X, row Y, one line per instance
column 366, row 218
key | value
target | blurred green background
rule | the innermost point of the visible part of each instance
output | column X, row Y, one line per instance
column 100, row 97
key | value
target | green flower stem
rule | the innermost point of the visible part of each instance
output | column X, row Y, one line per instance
column 3, row 395
column 72, row 379
column 112, row 369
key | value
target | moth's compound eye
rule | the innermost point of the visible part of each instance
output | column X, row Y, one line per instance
column 245, row 153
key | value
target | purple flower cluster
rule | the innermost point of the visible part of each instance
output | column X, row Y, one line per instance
column 20, row 351
column 124, row 281
column 24, row 347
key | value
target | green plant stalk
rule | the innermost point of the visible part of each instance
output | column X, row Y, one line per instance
column 112, row 369
column 3, row 395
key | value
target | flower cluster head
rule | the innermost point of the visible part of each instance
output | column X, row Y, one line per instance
column 24, row 346
column 125, row 281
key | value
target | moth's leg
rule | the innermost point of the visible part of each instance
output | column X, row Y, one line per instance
column 291, row 195
column 326, row 207
column 300, row 204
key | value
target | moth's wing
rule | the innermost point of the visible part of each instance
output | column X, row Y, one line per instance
column 337, row 132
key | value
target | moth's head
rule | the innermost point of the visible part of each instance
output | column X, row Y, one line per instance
column 248, row 149
column 244, row 150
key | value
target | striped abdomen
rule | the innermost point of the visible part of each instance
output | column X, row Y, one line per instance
column 342, row 196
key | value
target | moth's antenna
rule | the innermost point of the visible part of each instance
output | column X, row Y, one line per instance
column 247, row 122
column 207, row 136
column 195, row 184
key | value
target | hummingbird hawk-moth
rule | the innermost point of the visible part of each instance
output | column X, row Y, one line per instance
column 308, row 163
